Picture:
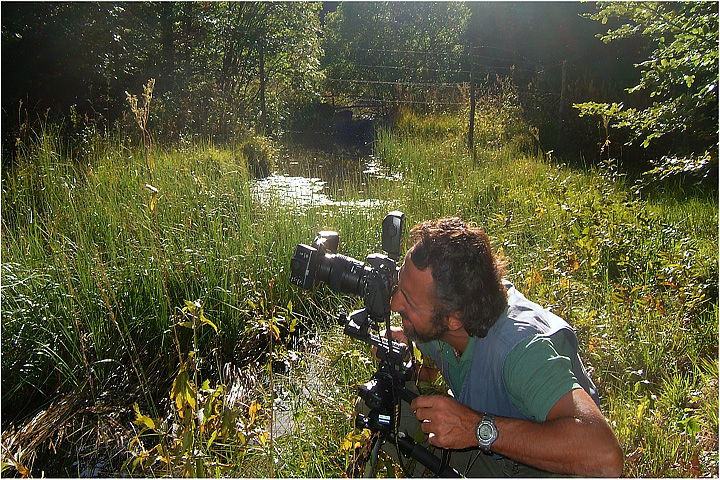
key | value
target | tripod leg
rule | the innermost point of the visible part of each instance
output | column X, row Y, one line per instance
column 370, row 468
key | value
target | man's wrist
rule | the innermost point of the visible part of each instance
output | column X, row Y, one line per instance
column 486, row 433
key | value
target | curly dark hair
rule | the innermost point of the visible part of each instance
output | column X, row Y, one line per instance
column 467, row 275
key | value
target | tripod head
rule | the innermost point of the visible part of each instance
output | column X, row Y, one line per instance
column 387, row 385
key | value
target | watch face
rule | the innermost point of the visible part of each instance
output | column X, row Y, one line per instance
column 485, row 432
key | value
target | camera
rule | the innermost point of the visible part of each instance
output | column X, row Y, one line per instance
column 375, row 279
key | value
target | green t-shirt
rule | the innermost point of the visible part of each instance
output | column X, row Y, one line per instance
column 537, row 372
column 457, row 367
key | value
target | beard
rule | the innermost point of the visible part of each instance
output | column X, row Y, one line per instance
column 438, row 327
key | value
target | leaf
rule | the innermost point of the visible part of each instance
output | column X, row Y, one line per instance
column 187, row 440
column 206, row 321
column 213, row 436
column 274, row 330
column 354, row 440
column 143, row 420
column 182, row 391
column 199, row 468
column 691, row 426
column 254, row 408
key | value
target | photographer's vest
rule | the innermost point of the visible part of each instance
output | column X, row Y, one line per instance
column 484, row 387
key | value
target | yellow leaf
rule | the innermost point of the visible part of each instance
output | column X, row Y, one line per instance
column 183, row 390
column 262, row 436
column 143, row 420
column 206, row 321
column 354, row 440
column 275, row 331
column 254, row 408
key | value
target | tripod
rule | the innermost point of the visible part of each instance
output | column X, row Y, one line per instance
column 383, row 393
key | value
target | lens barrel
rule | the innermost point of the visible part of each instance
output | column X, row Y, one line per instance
column 342, row 274
column 374, row 280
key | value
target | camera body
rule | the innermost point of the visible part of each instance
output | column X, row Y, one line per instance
column 374, row 280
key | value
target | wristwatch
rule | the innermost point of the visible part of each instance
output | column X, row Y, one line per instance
column 486, row 432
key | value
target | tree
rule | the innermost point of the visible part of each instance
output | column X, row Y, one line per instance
column 680, row 79
column 374, row 48
column 213, row 51
column 205, row 56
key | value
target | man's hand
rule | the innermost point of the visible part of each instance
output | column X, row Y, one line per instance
column 574, row 438
column 448, row 423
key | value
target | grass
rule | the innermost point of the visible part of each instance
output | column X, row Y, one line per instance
column 114, row 282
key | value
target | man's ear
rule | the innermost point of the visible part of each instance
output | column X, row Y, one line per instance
column 454, row 322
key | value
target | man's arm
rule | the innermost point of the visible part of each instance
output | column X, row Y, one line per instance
column 574, row 439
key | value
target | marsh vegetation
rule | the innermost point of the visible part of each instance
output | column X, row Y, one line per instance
column 149, row 327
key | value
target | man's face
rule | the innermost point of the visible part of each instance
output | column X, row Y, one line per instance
column 415, row 303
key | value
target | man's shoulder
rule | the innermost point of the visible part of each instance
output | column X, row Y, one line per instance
column 524, row 314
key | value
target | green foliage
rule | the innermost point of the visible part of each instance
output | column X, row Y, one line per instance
column 201, row 418
column 215, row 88
column 500, row 117
column 205, row 58
column 259, row 154
column 96, row 269
column 379, row 43
column 680, row 79
column 637, row 279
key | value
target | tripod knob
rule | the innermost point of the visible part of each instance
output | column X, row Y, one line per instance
column 376, row 421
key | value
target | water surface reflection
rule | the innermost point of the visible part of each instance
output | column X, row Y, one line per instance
column 305, row 178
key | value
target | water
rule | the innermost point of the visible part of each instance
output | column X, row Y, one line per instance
column 303, row 179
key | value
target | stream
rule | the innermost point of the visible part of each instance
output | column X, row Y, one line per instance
column 305, row 178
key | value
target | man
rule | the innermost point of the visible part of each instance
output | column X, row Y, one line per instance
column 521, row 400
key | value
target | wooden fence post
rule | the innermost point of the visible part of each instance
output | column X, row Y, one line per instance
column 561, row 109
column 263, row 109
column 471, row 127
